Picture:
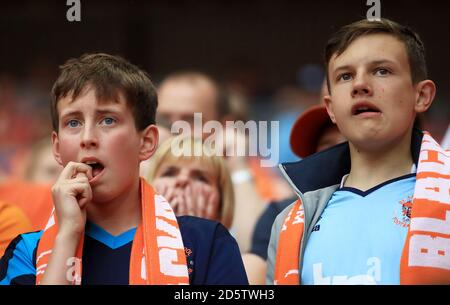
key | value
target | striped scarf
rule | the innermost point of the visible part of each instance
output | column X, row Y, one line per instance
column 157, row 253
column 426, row 253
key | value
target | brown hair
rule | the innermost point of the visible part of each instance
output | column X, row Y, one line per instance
column 110, row 76
column 415, row 50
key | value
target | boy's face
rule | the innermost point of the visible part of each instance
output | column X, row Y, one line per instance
column 104, row 133
column 373, row 99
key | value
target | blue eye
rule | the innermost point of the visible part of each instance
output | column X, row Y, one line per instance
column 382, row 72
column 108, row 121
column 344, row 77
column 73, row 123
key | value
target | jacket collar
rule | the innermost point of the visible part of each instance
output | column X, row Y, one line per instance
column 327, row 167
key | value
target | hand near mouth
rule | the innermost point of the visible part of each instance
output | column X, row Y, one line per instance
column 195, row 200
column 96, row 166
column 71, row 194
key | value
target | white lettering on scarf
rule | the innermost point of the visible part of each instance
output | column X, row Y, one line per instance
column 427, row 251
column 435, row 189
column 168, row 245
column 299, row 217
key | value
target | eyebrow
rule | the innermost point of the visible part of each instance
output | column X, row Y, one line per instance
column 70, row 113
column 346, row 67
column 204, row 173
column 97, row 112
column 198, row 172
column 107, row 111
column 372, row 63
column 382, row 61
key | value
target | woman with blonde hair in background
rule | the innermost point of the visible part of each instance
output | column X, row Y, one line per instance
column 197, row 183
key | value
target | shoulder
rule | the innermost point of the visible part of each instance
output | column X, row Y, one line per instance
column 197, row 225
column 31, row 239
column 200, row 228
column 18, row 263
column 25, row 243
column 10, row 213
column 12, row 222
column 203, row 237
column 213, row 255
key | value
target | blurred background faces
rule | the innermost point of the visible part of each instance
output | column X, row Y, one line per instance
column 267, row 55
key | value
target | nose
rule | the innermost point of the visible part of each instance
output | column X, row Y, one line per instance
column 361, row 86
column 89, row 137
column 182, row 180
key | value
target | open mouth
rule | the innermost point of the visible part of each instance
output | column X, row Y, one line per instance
column 97, row 167
column 365, row 108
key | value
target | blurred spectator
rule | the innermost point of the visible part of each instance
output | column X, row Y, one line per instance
column 12, row 223
column 14, row 127
column 19, row 127
column 183, row 94
column 193, row 185
column 312, row 132
column 23, row 119
column 292, row 100
column 42, row 166
column 29, row 188
column 35, row 200
column 310, row 77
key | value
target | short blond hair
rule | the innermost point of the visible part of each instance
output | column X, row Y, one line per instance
column 226, row 192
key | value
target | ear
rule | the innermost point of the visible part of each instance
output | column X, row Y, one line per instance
column 425, row 92
column 149, row 142
column 328, row 103
column 55, row 147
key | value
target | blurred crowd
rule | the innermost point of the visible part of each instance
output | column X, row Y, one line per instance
column 235, row 190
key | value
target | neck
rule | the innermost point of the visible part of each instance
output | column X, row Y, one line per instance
column 119, row 214
column 372, row 167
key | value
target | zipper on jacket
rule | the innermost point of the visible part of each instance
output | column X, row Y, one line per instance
column 300, row 196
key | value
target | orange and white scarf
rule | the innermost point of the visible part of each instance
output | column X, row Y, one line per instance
column 426, row 253
column 157, row 254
